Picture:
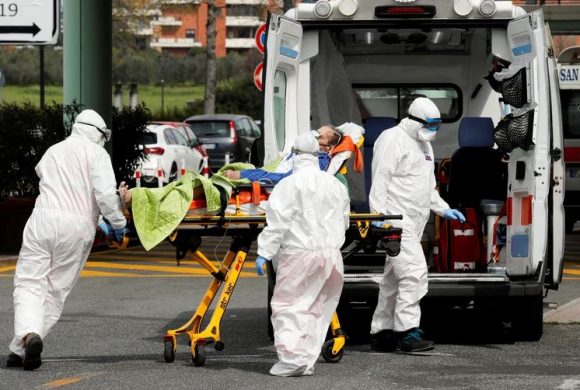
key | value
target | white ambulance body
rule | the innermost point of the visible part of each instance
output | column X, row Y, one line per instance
column 336, row 61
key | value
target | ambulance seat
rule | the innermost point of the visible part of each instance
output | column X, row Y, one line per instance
column 477, row 171
column 374, row 126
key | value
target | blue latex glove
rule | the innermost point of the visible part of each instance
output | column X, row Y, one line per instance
column 260, row 261
column 454, row 214
column 105, row 228
column 118, row 234
column 378, row 224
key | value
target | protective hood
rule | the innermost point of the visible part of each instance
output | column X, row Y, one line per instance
column 301, row 161
column 421, row 108
column 305, row 143
column 87, row 124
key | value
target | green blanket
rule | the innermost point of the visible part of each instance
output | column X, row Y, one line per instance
column 158, row 211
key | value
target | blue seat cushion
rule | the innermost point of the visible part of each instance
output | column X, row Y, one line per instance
column 476, row 132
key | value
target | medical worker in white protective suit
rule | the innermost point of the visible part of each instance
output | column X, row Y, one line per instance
column 77, row 184
column 403, row 182
column 307, row 215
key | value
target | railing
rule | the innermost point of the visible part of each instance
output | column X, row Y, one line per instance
column 174, row 42
column 240, row 43
column 232, row 21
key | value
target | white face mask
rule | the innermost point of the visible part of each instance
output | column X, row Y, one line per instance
column 101, row 142
column 426, row 135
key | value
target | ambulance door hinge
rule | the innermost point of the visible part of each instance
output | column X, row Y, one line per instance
column 556, row 154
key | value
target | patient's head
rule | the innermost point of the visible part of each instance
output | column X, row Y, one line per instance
column 328, row 138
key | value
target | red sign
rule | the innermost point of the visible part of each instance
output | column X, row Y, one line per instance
column 261, row 38
column 258, row 75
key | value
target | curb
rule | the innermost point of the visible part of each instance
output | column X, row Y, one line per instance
column 565, row 314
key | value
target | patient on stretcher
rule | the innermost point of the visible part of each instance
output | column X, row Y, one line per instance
column 158, row 211
column 336, row 145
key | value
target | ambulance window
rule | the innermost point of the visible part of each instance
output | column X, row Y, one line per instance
column 570, row 101
column 393, row 101
column 280, row 108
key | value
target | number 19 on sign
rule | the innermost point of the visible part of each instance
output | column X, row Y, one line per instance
column 8, row 9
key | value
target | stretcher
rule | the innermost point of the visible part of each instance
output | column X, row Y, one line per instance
column 243, row 229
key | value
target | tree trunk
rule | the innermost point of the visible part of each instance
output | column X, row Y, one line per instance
column 210, row 64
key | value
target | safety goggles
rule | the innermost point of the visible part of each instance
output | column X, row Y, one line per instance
column 105, row 132
column 431, row 124
column 297, row 152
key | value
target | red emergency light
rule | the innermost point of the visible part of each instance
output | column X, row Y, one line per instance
column 407, row 11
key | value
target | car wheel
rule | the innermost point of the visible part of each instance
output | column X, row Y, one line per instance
column 173, row 173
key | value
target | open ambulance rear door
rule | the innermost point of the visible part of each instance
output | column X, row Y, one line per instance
column 282, row 93
column 535, row 193
column 557, row 223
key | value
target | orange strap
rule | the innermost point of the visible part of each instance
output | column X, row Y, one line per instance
column 256, row 191
column 346, row 145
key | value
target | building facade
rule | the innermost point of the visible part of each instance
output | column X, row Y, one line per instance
column 181, row 25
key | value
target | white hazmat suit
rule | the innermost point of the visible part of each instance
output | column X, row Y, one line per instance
column 77, row 184
column 403, row 182
column 307, row 215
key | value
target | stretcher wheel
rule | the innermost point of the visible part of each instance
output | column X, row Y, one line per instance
column 199, row 357
column 219, row 346
column 168, row 351
column 327, row 352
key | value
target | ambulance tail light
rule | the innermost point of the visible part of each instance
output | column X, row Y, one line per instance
column 410, row 11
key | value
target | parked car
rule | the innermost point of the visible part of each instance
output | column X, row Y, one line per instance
column 225, row 133
column 165, row 145
column 188, row 133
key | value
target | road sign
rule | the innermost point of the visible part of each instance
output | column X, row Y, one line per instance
column 261, row 38
column 29, row 22
column 258, row 75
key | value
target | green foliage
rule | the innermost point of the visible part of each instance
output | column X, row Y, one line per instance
column 239, row 96
column 21, row 66
column 128, row 126
column 26, row 132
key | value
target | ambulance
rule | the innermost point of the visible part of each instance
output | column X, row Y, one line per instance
column 490, row 68
column 569, row 77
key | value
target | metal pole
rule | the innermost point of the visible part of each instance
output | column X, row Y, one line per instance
column 42, row 78
column 162, row 96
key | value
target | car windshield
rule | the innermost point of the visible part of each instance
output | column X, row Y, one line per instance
column 211, row 128
column 148, row 138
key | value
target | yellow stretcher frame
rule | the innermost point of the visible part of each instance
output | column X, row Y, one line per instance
column 244, row 229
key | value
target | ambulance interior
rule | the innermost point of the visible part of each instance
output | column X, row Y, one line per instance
column 370, row 76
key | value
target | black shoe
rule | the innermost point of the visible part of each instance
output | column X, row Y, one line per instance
column 384, row 341
column 412, row 341
column 33, row 349
column 13, row 360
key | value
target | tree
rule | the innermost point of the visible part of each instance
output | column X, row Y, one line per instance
column 213, row 12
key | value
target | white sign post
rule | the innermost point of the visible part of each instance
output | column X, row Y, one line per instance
column 29, row 22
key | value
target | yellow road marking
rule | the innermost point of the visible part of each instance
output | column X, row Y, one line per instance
column 571, row 271
column 61, row 382
column 86, row 273
column 144, row 267
column 156, row 268
column 9, row 268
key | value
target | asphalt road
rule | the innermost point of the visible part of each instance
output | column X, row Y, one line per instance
column 110, row 337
